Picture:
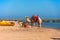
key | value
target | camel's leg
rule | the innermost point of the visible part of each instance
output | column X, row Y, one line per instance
column 39, row 24
column 33, row 24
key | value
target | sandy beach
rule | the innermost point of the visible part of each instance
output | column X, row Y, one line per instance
column 34, row 33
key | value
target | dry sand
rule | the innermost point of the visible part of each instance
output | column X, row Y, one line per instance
column 34, row 33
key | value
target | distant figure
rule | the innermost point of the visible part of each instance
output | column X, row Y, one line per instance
column 34, row 19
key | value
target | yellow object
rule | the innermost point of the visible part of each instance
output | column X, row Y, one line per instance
column 5, row 23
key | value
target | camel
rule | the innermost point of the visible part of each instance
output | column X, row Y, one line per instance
column 30, row 20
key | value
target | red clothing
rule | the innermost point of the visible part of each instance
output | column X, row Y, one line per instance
column 35, row 18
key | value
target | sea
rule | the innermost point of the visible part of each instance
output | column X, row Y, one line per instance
column 51, row 25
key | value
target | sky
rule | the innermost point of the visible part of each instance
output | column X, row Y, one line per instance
column 21, row 8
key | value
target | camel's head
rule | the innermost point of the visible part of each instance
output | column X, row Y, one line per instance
column 26, row 16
